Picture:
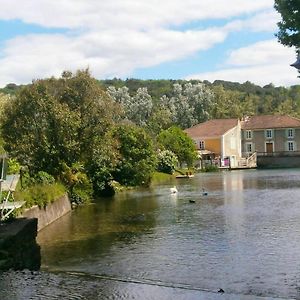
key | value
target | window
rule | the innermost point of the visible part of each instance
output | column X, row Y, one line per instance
column 249, row 147
column 291, row 146
column 290, row 133
column 248, row 134
column 201, row 145
column 269, row 133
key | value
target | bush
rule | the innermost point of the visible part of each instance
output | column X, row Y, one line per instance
column 40, row 194
column 138, row 159
column 210, row 168
column 43, row 178
column 167, row 162
column 79, row 186
column 13, row 166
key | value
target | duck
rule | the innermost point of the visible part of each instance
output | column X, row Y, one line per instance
column 204, row 193
column 173, row 190
column 192, row 201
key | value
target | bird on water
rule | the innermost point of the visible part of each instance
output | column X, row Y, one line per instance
column 173, row 190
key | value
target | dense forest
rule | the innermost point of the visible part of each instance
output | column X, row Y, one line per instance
column 186, row 103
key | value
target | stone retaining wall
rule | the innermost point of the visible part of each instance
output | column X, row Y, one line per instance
column 18, row 247
column 278, row 162
column 50, row 213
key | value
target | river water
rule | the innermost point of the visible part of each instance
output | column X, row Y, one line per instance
column 243, row 237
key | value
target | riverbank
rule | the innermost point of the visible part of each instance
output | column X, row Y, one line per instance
column 18, row 247
column 50, row 212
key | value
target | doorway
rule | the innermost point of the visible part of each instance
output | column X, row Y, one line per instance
column 269, row 147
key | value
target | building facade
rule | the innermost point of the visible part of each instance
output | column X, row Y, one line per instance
column 268, row 135
column 275, row 138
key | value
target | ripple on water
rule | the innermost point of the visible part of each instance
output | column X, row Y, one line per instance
column 242, row 237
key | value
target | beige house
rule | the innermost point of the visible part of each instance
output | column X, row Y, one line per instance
column 219, row 138
column 270, row 134
column 267, row 140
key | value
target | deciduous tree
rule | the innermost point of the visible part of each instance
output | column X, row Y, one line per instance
column 289, row 26
column 56, row 121
column 177, row 141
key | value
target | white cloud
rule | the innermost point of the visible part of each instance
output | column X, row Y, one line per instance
column 264, row 21
column 138, row 14
column 108, row 54
column 261, row 63
column 268, row 52
column 116, row 37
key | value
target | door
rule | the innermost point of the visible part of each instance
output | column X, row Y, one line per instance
column 269, row 147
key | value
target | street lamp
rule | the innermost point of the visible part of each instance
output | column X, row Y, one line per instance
column 296, row 64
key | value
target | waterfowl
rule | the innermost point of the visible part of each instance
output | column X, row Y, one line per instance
column 192, row 201
column 173, row 190
column 204, row 193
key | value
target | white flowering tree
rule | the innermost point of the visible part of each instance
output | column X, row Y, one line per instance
column 137, row 108
column 190, row 104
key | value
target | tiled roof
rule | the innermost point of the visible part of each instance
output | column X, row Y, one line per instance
column 212, row 128
column 269, row 122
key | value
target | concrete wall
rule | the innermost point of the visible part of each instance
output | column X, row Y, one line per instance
column 50, row 213
column 278, row 162
column 232, row 142
column 18, row 247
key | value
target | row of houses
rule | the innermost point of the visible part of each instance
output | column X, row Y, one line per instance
column 266, row 140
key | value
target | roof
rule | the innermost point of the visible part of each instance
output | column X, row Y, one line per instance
column 269, row 121
column 212, row 128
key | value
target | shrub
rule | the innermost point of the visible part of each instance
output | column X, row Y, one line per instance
column 40, row 194
column 167, row 162
column 13, row 166
column 210, row 168
column 43, row 178
column 79, row 186
column 138, row 159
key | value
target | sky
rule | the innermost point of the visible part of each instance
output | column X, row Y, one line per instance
column 210, row 40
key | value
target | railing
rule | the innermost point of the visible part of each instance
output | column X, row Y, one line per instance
column 279, row 153
column 248, row 160
column 251, row 160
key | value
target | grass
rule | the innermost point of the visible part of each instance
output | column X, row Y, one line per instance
column 160, row 177
column 40, row 194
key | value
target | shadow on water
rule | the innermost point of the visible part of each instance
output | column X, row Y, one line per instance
column 242, row 237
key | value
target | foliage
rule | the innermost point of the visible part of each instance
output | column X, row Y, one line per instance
column 137, row 108
column 43, row 178
column 40, row 194
column 137, row 157
column 13, row 166
column 190, row 104
column 57, row 121
column 40, row 178
column 78, row 183
column 177, row 141
column 210, row 168
column 103, row 162
column 10, row 89
column 289, row 26
column 167, row 161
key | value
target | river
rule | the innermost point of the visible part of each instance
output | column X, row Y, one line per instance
column 242, row 238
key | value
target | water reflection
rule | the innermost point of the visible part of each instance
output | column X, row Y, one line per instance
column 243, row 237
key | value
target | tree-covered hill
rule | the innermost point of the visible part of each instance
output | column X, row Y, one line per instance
column 227, row 99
